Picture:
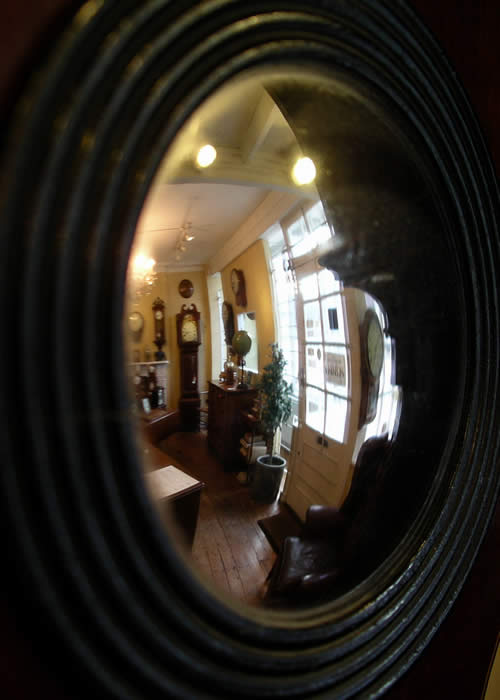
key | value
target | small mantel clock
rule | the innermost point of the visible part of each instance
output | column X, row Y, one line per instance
column 189, row 339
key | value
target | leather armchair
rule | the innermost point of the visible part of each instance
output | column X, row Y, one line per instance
column 332, row 540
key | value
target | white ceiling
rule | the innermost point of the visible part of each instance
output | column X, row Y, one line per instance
column 215, row 211
column 255, row 152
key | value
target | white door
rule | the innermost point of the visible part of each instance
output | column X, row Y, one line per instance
column 313, row 320
column 323, row 443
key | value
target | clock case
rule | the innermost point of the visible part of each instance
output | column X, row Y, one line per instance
column 189, row 402
column 159, row 328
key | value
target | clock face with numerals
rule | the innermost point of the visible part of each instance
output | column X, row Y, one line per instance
column 158, row 315
column 189, row 330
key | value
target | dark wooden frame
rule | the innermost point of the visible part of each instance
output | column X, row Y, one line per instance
column 57, row 546
column 228, row 323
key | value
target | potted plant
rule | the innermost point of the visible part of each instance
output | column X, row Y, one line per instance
column 276, row 407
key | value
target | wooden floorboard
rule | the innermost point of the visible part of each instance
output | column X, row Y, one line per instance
column 229, row 546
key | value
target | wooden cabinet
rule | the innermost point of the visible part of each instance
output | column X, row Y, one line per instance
column 225, row 422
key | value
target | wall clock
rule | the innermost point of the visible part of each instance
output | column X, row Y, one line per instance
column 135, row 325
column 186, row 288
column 189, row 339
column 238, row 286
column 159, row 327
column 372, row 361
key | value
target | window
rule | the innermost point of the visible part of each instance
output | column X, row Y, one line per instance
column 310, row 318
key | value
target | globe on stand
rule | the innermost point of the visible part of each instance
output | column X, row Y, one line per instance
column 241, row 345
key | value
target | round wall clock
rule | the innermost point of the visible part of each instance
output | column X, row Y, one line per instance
column 372, row 361
column 186, row 288
column 135, row 324
column 374, row 346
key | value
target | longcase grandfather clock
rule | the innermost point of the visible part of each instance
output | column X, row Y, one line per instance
column 189, row 339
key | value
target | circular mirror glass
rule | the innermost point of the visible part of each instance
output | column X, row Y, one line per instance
column 294, row 411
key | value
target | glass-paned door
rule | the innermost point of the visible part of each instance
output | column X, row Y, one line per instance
column 312, row 332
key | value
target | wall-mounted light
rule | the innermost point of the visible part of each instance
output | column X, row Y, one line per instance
column 304, row 171
column 206, row 156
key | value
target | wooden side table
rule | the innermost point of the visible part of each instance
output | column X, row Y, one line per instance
column 182, row 492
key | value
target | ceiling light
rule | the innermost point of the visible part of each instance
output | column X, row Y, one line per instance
column 141, row 275
column 304, row 171
column 188, row 236
column 206, row 156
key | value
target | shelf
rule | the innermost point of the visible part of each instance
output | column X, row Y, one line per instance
column 154, row 362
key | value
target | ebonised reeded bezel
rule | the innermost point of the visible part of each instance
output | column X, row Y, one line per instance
column 95, row 572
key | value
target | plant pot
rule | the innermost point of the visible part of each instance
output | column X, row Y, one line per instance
column 267, row 476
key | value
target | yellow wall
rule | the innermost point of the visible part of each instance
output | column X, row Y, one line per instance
column 166, row 288
column 259, row 298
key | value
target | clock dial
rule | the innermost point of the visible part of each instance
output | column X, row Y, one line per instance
column 158, row 315
column 189, row 330
column 375, row 347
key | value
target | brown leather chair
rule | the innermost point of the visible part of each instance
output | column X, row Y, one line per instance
column 333, row 541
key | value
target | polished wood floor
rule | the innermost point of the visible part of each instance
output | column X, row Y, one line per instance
column 229, row 545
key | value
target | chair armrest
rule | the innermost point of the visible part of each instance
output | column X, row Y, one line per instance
column 322, row 521
column 317, row 584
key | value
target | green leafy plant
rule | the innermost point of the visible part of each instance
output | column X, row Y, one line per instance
column 276, row 396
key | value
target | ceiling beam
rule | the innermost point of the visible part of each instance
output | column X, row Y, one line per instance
column 264, row 117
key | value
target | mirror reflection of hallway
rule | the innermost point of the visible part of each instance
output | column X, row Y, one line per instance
column 294, row 263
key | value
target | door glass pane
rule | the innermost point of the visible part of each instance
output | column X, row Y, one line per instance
column 314, row 366
column 315, row 409
column 292, row 363
column 286, row 314
column 296, row 231
column 336, row 370
column 284, row 285
column 336, row 417
column 327, row 282
column 316, row 216
column 333, row 319
column 291, row 379
column 312, row 322
column 309, row 287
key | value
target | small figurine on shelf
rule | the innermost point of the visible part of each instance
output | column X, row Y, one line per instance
column 228, row 375
column 161, row 397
